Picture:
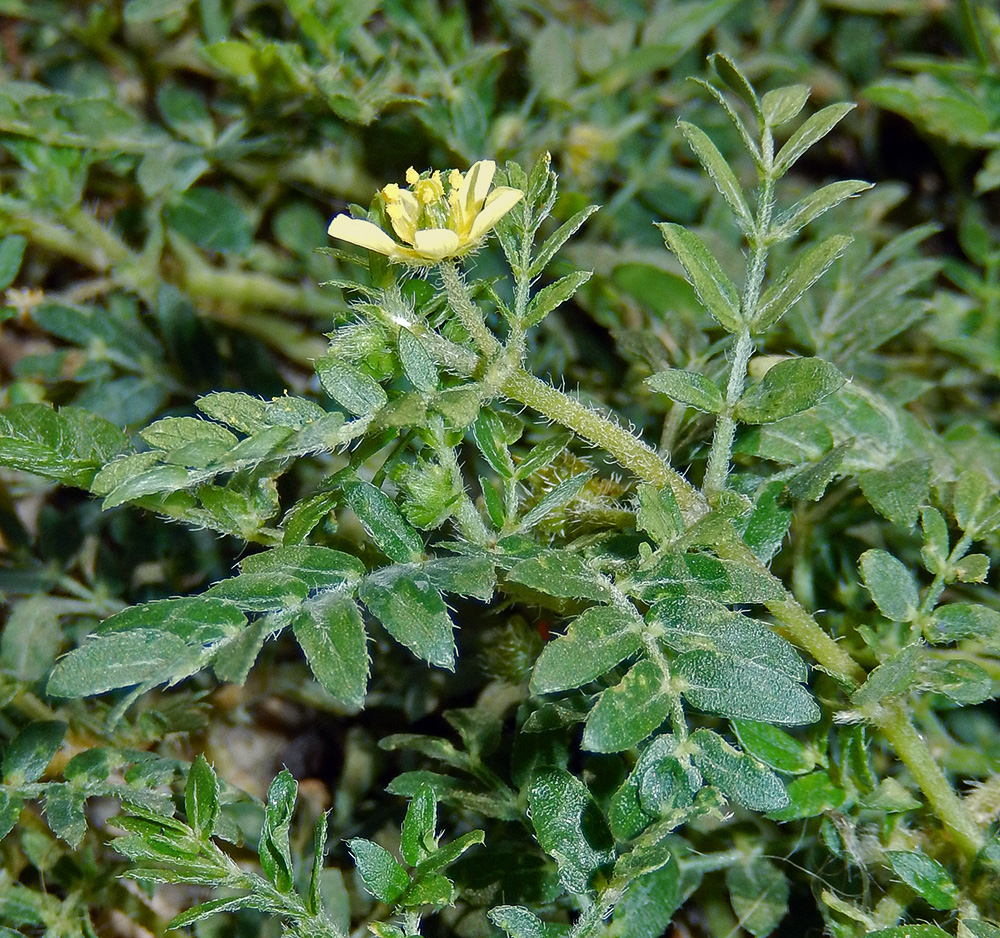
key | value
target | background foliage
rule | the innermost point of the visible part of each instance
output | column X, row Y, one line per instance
column 315, row 610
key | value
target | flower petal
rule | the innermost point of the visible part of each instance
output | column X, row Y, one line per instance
column 435, row 244
column 484, row 171
column 362, row 233
column 500, row 202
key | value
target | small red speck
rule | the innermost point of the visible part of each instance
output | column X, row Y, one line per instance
column 543, row 629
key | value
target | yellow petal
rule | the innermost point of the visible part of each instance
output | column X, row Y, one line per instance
column 484, row 179
column 499, row 203
column 362, row 233
column 435, row 244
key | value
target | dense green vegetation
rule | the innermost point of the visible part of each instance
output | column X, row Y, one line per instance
column 595, row 536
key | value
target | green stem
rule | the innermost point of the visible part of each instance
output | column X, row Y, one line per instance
column 912, row 750
column 468, row 519
column 725, row 429
column 470, row 317
column 602, row 431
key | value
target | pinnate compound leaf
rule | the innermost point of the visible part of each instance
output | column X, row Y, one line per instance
column 569, row 827
column 715, row 290
column 594, row 643
column 630, row 711
column 909, row 931
column 382, row 521
column 925, row 876
column 738, row 776
column 740, row 689
column 383, row 877
column 893, row 587
column 412, row 612
column 687, row 387
column 804, row 271
column 332, row 635
column 788, row 388
column 123, row 659
column 758, row 891
column 814, row 129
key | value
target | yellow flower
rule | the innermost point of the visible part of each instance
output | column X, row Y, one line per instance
column 432, row 224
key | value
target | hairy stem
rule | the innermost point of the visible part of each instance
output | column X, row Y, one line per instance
column 725, row 429
column 470, row 317
column 909, row 745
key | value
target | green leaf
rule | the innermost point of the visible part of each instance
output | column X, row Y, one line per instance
column 382, row 521
column 893, row 587
column 488, row 432
column 233, row 664
column 433, row 889
column 773, row 747
column 659, row 515
column 418, row 838
column 355, row 391
column 730, row 73
column 30, row 638
column 172, row 432
column 758, row 891
column 795, row 279
column 695, row 624
column 810, row 796
column 963, row 682
column 810, row 207
column 594, row 643
column 450, row 852
column 196, row 619
column 788, row 388
column 412, row 612
column 631, row 710
column 31, row 751
column 320, row 568
column 689, row 388
column 463, row 576
column 418, row 366
column 241, row 411
column 383, row 877
column 213, row 907
column 520, row 923
column 123, row 659
column 555, row 294
column 972, row 568
column 814, row 129
column 979, row 929
column 10, row 812
column 977, row 508
column 899, row 491
column 260, row 592
column 781, row 105
column 569, row 827
column 650, row 902
column 11, row 254
column 558, row 238
column 332, row 635
column 65, row 813
column 740, row 689
column 561, row 573
column 715, row 290
column 314, row 897
column 965, row 620
column 720, row 172
column 925, row 876
column 211, row 219
column 201, row 798
column 556, row 497
column 274, row 848
column 909, row 931
column 893, row 677
column 738, row 776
